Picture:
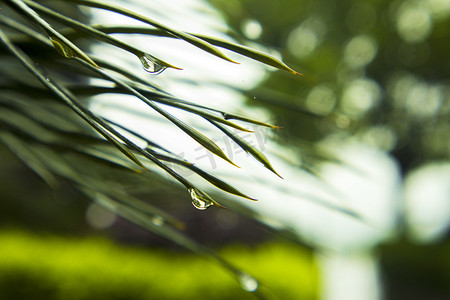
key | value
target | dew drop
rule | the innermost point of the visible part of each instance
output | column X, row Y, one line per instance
column 198, row 201
column 150, row 65
column 157, row 221
column 247, row 282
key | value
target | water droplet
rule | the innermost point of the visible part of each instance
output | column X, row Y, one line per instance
column 198, row 201
column 61, row 47
column 150, row 65
column 247, row 282
column 157, row 221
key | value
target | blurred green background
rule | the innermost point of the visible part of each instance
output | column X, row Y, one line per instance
column 374, row 70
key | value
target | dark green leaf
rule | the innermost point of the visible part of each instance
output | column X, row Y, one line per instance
column 179, row 34
column 253, row 151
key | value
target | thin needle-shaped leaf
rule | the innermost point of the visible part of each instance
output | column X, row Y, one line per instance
column 196, row 135
column 150, row 144
column 174, row 174
column 249, row 52
column 219, row 183
column 226, row 115
column 157, row 216
column 127, row 74
column 28, row 157
column 98, row 153
column 101, row 36
column 229, row 116
column 199, row 194
column 247, row 147
column 157, row 96
column 60, row 43
column 193, row 190
column 93, row 90
column 154, row 91
column 195, row 193
column 86, row 115
column 64, row 95
column 98, row 124
column 140, row 218
column 169, row 233
column 25, row 29
column 56, row 165
column 175, row 159
column 205, row 175
column 177, row 33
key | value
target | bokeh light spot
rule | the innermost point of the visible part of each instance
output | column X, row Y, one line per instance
column 360, row 96
column 251, row 28
column 381, row 137
column 413, row 22
column 98, row 217
column 439, row 9
column 415, row 96
column 304, row 39
column 360, row 51
column 321, row 100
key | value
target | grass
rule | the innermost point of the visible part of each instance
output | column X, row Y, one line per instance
column 50, row 267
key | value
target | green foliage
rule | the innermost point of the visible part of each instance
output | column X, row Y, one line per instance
column 144, row 91
column 49, row 267
column 375, row 70
column 66, row 91
column 47, row 77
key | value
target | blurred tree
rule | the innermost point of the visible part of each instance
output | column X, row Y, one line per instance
column 376, row 72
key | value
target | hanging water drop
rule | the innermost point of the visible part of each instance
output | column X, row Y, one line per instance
column 157, row 221
column 247, row 282
column 198, row 201
column 150, row 65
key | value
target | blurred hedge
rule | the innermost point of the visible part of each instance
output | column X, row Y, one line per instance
column 47, row 267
